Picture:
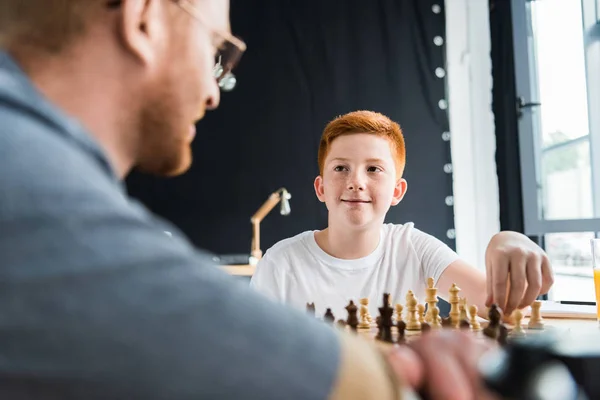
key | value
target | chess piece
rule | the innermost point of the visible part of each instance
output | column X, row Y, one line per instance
column 398, row 313
column 454, row 300
column 386, row 312
column 462, row 309
column 464, row 324
column 492, row 330
column 329, row 316
column 517, row 317
column 425, row 327
column 412, row 319
column 352, row 320
column 502, row 335
column 435, row 318
column 475, row 325
column 401, row 330
column 310, row 309
column 364, row 314
column 431, row 299
column 421, row 313
column 364, row 303
column 379, row 328
column 341, row 324
column 446, row 322
column 535, row 319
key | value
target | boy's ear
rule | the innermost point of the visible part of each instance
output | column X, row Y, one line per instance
column 319, row 188
column 399, row 191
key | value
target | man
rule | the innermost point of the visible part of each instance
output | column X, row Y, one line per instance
column 95, row 300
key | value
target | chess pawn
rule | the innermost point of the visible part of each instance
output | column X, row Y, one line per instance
column 435, row 318
column 421, row 313
column 398, row 313
column 364, row 316
column 517, row 316
column 535, row 319
column 412, row 323
column 364, row 303
column 431, row 298
column 352, row 320
column 475, row 325
column 454, row 301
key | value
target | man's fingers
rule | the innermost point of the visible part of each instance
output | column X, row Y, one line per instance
column 407, row 365
column 518, row 267
column 446, row 379
column 450, row 361
column 534, row 280
column 500, row 265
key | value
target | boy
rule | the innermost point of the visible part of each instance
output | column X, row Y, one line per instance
column 361, row 162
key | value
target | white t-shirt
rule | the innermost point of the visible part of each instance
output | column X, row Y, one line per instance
column 297, row 271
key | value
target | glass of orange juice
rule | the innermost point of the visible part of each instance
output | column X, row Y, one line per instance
column 596, row 264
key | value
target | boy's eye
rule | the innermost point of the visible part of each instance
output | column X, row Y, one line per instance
column 339, row 168
column 373, row 169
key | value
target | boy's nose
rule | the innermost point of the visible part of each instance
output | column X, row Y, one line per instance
column 356, row 182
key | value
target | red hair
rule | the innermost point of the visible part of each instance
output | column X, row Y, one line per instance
column 364, row 122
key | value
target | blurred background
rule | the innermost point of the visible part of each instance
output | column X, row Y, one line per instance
column 499, row 102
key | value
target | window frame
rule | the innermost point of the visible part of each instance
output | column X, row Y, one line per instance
column 528, row 122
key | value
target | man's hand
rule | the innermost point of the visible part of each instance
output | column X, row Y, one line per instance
column 518, row 271
column 443, row 365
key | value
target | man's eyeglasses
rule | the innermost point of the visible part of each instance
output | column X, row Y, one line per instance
column 228, row 54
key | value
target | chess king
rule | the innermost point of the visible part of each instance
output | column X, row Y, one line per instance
column 361, row 161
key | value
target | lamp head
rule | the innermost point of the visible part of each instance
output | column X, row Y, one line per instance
column 285, row 203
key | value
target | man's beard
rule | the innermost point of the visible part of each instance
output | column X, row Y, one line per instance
column 164, row 147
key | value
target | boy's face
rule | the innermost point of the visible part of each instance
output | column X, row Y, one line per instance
column 359, row 182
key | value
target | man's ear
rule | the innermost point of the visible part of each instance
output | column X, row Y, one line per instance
column 399, row 191
column 319, row 188
column 142, row 28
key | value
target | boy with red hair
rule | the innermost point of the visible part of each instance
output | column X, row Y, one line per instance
column 361, row 161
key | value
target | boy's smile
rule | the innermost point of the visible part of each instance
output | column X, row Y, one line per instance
column 359, row 182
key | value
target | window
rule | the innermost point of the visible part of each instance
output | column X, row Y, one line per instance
column 557, row 66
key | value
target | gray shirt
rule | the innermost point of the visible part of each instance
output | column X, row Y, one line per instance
column 97, row 302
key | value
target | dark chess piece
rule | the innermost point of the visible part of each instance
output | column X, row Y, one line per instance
column 492, row 330
column 446, row 322
column 352, row 320
column 502, row 335
column 386, row 312
column 310, row 309
column 378, row 322
column 464, row 324
column 328, row 317
column 425, row 327
column 341, row 323
column 401, row 328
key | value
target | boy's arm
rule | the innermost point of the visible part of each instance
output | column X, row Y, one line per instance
column 517, row 272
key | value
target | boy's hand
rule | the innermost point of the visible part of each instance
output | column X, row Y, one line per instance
column 518, row 271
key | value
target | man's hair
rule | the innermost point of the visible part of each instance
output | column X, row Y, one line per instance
column 45, row 25
column 364, row 122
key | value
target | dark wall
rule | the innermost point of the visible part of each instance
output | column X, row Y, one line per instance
column 307, row 62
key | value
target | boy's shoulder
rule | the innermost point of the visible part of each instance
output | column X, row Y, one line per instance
column 287, row 245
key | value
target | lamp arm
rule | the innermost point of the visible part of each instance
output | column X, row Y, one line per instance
column 258, row 216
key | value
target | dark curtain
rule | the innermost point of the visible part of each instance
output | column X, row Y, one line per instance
column 504, row 106
column 307, row 62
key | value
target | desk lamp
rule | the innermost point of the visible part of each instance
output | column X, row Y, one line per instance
column 280, row 195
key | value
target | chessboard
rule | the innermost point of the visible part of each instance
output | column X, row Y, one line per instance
column 400, row 323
